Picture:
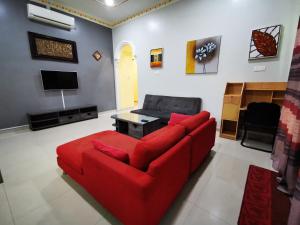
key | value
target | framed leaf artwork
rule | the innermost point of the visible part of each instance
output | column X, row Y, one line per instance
column 265, row 42
column 156, row 58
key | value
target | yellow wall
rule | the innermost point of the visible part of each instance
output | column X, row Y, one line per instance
column 128, row 84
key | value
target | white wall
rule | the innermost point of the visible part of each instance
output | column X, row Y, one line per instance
column 173, row 26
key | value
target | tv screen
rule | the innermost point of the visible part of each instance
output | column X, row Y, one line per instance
column 57, row 80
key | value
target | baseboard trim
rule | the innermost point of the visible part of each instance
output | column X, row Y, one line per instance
column 107, row 112
column 14, row 128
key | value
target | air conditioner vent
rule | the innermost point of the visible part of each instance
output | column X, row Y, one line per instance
column 51, row 17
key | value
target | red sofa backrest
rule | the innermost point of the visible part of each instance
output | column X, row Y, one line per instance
column 149, row 149
column 203, row 139
column 195, row 121
column 173, row 162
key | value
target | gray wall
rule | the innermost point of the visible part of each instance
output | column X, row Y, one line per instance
column 20, row 83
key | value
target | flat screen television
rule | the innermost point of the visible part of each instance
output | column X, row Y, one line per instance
column 59, row 80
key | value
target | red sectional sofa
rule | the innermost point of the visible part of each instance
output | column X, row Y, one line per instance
column 141, row 191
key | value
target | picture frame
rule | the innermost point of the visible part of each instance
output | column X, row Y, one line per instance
column 156, row 58
column 51, row 48
column 202, row 55
column 97, row 55
column 265, row 42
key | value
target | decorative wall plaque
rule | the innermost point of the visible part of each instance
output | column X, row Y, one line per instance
column 52, row 48
column 97, row 55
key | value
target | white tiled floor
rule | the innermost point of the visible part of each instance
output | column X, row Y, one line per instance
column 36, row 193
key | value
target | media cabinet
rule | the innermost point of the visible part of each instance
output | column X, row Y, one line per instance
column 39, row 121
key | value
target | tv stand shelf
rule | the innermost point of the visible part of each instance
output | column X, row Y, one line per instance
column 43, row 120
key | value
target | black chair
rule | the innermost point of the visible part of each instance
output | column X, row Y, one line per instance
column 261, row 117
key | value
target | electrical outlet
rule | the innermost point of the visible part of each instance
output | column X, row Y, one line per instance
column 259, row 68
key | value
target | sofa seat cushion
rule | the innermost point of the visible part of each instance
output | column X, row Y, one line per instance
column 150, row 149
column 71, row 152
column 110, row 151
column 195, row 121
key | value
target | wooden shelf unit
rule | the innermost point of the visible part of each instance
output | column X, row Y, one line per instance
column 238, row 95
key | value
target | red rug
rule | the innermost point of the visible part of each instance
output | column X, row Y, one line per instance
column 262, row 203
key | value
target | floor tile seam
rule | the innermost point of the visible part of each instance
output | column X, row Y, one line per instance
column 202, row 189
column 212, row 214
column 9, row 205
column 38, row 206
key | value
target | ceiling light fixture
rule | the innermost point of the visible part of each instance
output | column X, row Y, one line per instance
column 111, row 3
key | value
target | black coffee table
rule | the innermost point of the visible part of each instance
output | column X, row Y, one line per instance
column 136, row 125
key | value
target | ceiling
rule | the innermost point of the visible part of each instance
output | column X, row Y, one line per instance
column 108, row 16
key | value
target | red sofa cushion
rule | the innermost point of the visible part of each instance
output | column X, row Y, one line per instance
column 177, row 118
column 71, row 152
column 195, row 121
column 156, row 133
column 118, row 140
column 149, row 149
column 113, row 152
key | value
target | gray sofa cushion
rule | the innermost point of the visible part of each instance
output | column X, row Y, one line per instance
column 170, row 104
column 162, row 106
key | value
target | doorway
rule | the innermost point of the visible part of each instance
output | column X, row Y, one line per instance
column 127, row 78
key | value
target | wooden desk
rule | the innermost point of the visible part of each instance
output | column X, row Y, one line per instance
column 238, row 95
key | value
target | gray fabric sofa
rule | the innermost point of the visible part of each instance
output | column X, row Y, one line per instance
column 162, row 106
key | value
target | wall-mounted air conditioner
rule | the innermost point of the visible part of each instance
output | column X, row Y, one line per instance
column 51, row 17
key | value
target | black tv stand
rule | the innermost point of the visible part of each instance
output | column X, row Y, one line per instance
column 39, row 121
